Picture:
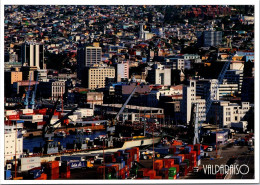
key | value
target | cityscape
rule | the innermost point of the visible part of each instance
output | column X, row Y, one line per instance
column 129, row 92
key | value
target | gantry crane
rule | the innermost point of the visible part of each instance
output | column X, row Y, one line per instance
column 26, row 102
column 34, row 93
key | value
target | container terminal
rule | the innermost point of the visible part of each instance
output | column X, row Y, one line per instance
column 129, row 92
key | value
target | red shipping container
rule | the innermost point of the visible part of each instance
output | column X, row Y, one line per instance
column 54, row 176
column 168, row 163
column 158, row 164
column 192, row 147
column 142, row 172
column 53, row 164
column 13, row 117
column 151, row 174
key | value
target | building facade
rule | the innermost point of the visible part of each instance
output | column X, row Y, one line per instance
column 33, row 54
column 87, row 57
column 95, row 77
column 224, row 113
column 122, row 70
column 57, row 89
column 159, row 75
column 212, row 38
column 188, row 99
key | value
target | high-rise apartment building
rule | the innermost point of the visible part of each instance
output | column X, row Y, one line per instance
column 212, row 38
column 209, row 38
column 87, row 57
column 33, row 54
column 95, row 77
column 122, row 70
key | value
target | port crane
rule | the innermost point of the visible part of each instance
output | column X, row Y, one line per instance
column 26, row 102
column 34, row 93
column 48, row 129
column 111, row 129
column 198, row 124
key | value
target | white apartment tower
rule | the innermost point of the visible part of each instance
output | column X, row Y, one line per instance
column 189, row 97
column 33, row 54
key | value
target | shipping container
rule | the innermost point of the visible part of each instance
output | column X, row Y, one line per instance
column 172, row 172
column 73, row 158
column 164, row 172
column 28, row 166
column 8, row 175
column 77, row 164
column 42, row 177
column 35, row 173
column 30, row 160
column 11, row 112
column 158, row 164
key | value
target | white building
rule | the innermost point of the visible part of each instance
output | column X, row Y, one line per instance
column 227, row 89
column 177, row 63
column 57, row 89
column 13, row 142
column 33, row 54
column 122, row 71
column 224, row 113
column 206, row 88
column 160, row 75
column 189, row 97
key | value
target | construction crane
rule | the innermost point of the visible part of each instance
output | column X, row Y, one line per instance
column 34, row 92
column 26, row 102
column 210, row 99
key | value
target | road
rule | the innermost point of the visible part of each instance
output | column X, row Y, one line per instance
column 243, row 157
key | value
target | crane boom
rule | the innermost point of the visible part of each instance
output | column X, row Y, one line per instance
column 123, row 107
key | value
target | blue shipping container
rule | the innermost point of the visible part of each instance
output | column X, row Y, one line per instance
column 119, row 159
column 177, row 159
column 8, row 175
column 121, row 151
column 35, row 173
column 78, row 164
column 122, row 164
column 187, row 148
column 161, row 150
column 71, row 158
